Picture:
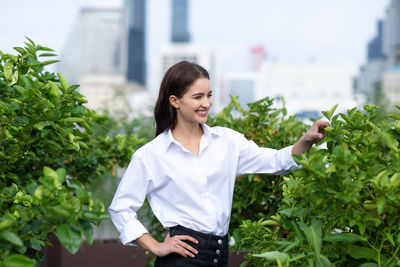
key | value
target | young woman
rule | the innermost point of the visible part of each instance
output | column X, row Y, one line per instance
column 188, row 173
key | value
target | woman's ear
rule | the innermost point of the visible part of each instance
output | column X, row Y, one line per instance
column 174, row 101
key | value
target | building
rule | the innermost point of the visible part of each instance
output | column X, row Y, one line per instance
column 135, row 18
column 309, row 88
column 94, row 45
column 391, row 84
column 244, row 85
column 377, row 78
column 180, row 19
column 109, row 93
column 374, row 49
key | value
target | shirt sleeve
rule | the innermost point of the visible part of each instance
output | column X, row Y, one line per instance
column 255, row 159
column 128, row 198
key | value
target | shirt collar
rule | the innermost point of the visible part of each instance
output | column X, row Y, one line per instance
column 208, row 133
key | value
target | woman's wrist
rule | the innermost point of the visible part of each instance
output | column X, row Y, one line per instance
column 149, row 243
column 302, row 146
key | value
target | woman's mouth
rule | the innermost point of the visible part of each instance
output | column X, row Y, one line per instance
column 202, row 112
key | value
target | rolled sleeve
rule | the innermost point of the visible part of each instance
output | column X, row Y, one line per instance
column 128, row 198
column 255, row 159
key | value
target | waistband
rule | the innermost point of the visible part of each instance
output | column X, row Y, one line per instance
column 211, row 240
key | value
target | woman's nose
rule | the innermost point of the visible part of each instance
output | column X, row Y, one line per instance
column 207, row 103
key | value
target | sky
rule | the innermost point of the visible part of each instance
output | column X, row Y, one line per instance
column 290, row 30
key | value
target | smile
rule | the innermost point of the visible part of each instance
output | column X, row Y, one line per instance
column 202, row 112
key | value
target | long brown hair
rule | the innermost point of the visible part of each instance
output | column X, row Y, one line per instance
column 176, row 81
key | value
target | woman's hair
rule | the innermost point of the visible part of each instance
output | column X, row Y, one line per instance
column 176, row 81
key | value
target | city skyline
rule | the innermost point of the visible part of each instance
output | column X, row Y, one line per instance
column 290, row 31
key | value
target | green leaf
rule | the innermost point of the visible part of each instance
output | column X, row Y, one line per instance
column 387, row 139
column 30, row 41
column 344, row 237
column 11, row 238
column 61, row 173
column 63, row 81
column 358, row 252
column 390, row 238
column 8, row 70
column 87, row 230
column 18, row 260
column 395, row 116
column 40, row 125
column 53, row 175
column 381, row 204
column 370, row 107
column 54, row 90
column 69, row 237
column 48, row 62
column 43, row 48
column 273, row 256
column 14, row 78
column 20, row 50
column 72, row 88
column 313, row 235
column 328, row 113
column 47, row 55
column 323, row 261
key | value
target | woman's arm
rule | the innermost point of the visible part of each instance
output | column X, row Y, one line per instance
column 315, row 134
column 173, row 244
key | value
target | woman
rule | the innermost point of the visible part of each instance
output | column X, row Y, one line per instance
column 188, row 174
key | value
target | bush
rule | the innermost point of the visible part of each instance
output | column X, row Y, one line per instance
column 258, row 195
column 48, row 156
column 342, row 207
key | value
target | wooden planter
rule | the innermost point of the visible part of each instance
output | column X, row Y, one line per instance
column 107, row 253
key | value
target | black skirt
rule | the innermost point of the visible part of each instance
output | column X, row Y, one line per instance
column 212, row 250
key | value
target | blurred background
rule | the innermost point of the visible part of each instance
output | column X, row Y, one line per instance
column 313, row 53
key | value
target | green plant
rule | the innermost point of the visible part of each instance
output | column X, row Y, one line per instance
column 48, row 156
column 258, row 195
column 342, row 207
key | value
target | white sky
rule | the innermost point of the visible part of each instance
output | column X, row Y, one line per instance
column 291, row 30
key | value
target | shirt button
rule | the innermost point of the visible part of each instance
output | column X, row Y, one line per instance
column 218, row 251
column 219, row 241
column 215, row 261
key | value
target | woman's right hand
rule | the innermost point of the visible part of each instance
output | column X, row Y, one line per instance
column 176, row 244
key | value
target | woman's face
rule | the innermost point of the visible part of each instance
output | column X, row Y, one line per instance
column 194, row 105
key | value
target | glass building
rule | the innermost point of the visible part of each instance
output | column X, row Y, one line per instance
column 180, row 33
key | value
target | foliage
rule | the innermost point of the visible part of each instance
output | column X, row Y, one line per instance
column 342, row 207
column 258, row 195
column 48, row 156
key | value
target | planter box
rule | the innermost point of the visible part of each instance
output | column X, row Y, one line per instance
column 107, row 253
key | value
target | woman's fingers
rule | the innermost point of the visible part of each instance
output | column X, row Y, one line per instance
column 187, row 249
column 187, row 237
column 176, row 244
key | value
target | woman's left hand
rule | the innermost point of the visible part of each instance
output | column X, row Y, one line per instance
column 314, row 135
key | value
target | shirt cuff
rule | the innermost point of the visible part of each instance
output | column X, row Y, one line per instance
column 289, row 163
column 133, row 230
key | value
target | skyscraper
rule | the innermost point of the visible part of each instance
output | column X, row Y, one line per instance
column 94, row 44
column 136, row 31
column 180, row 33
column 375, row 45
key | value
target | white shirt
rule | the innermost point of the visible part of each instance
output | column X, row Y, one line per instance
column 189, row 190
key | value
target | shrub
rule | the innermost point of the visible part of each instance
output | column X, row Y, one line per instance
column 48, row 156
column 342, row 207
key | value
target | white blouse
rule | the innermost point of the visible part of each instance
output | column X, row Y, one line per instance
column 189, row 190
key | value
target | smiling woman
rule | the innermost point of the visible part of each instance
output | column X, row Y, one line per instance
column 188, row 173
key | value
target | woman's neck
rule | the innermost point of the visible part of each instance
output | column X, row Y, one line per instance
column 187, row 131
column 188, row 136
